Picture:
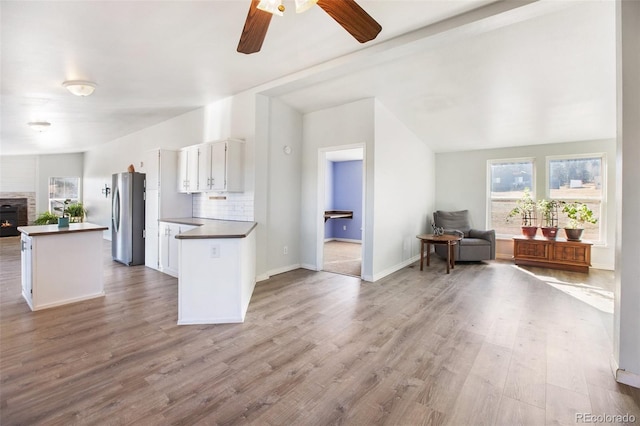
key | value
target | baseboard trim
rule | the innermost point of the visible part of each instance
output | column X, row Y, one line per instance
column 623, row 376
column 393, row 269
column 343, row 240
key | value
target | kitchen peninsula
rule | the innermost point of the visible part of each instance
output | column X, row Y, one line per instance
column 217, row 270
column 61, row 265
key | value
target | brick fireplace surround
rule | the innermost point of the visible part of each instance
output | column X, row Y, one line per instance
column 26, row 203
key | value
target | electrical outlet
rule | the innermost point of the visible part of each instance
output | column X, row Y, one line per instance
column 344, row 227
column 285, row 250
column 215, row 251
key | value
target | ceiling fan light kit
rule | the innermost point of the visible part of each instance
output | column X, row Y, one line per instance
column 80, row 87
column 275, row 7
column 304, row 5
column 354, row 19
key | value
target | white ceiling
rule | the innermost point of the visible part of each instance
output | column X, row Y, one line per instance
column 542, row 73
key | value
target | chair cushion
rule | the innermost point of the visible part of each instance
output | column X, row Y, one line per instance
column 453, row 220
column 474, row 242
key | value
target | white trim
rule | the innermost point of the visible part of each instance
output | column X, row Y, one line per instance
column 283, row 269
column 309, row 267
column 392, row 269
column 343, row 240
column 321, row 176
column 623, row 376
column 64, row 302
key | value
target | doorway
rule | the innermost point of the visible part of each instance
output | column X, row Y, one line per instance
column 341, row 193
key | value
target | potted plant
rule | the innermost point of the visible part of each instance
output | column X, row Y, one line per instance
column 46, row 218
column 578, row 214
column 63, row 220
column 526, row 208
column 76, row 212
column 549, row 212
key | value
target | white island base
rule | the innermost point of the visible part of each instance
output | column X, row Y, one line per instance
column 61, row 265
column 216, row 278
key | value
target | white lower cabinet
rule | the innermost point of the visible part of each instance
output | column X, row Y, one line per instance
column 27, row 269
column 169, row 246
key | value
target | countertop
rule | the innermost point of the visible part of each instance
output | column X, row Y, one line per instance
column 37, row 230
column 212, row 228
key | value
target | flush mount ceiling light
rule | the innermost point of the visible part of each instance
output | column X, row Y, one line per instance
column 39, row 126
column 80, row 87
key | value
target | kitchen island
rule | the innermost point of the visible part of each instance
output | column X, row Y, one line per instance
column 61, row 265
column 217, row 272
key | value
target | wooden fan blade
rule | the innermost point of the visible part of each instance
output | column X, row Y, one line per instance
column 255, row 29
column 353, row 18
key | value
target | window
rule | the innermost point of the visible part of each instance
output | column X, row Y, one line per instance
column 60, row 189
column 579, row 178
column 508, row 180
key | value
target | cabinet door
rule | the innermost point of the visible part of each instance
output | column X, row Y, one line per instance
column 27, row 268
column 163, row 242
column 218, row 166
column 188, row 169
column 204, row 167
column 183, row 172
column 192, row 169
column 172, row 262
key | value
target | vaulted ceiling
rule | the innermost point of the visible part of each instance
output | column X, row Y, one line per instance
column 460, row 74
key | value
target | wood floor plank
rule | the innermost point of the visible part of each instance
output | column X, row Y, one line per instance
column 487, row 344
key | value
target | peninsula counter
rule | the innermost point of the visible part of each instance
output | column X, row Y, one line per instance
column 217, row 271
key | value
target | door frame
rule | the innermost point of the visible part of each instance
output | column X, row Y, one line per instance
column 321, row 191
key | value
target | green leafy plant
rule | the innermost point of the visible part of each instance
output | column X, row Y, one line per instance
column 63, row 209
column 46, row 218
column 525, row 208
column 549, row 211
column 578, row 214
column 76, row 211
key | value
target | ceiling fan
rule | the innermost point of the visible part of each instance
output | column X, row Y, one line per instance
column 347, row 13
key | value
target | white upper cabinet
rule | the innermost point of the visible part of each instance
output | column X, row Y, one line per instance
column 188, row 169
column 219, row 167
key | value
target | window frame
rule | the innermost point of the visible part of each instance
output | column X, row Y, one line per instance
column 601, row 215
column 61, row 200
column 490, row 199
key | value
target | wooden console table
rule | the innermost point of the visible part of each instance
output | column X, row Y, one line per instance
column 556, row 254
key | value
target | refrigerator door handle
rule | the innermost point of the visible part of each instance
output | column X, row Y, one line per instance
column 115, row 212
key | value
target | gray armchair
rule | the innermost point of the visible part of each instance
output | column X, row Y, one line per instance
column 475, row 244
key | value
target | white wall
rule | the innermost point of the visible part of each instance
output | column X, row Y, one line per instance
column 29, row 174
column 404, row 193
column 114, row 157
column 284, row 188
column 462, row 184
column 18, row 173
column 61, row 165
column 399, row 183
column 231, row 117
column 626, row 351
column 343, row 125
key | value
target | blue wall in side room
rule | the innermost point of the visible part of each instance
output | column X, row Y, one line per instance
column 346, row 194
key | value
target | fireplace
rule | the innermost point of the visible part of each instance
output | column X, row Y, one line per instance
column 8, row 221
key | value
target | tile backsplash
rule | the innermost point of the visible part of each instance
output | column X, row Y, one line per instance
column 225, row 206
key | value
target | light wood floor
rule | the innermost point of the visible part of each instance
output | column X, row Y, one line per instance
column 486, row 344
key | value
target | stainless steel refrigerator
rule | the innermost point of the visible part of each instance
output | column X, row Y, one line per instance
column 127, row 218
